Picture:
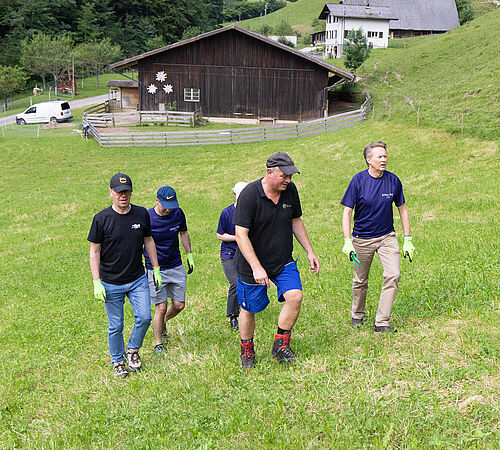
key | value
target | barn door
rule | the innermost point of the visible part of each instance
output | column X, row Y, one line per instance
column 245, row 92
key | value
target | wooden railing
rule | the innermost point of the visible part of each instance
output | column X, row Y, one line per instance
column 231, row 136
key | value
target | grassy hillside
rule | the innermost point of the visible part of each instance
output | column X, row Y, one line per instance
column 301, row 13
column 443, row 76
column 433, row 384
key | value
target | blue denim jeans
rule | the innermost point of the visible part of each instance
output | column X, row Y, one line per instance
column 138, row 293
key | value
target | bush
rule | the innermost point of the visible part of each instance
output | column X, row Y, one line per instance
column 284, row 40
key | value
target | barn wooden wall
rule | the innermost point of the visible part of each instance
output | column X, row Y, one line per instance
column 238, row 76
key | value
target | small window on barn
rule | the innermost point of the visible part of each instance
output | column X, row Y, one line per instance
column 380, row 34
column 191, row 95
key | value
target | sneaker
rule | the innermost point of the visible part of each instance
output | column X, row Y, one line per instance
column 159, row 349
column 134, row 361
column 120, row 370
column 233, row 321
column 282, row 352
column 356, row 322
column 384, row 329
column 164, row 336
column 247, row 355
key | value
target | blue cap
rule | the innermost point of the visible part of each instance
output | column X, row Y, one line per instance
column 167, row 197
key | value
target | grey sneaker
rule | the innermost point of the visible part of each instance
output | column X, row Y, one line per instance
column 134, row 361
column 356, row 322
column 120, row 370
column 159, row 349
column 384, row 329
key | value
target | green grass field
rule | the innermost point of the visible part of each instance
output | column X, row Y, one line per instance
column 433, row 384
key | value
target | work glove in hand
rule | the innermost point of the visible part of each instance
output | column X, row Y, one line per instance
column 408, row 248
column 99, row 291
column 349, row 250
column 190, row 262
column 157, row 277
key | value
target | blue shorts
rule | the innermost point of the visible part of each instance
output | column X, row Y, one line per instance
column 253, row 297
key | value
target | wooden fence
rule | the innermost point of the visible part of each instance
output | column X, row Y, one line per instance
column 230, row 136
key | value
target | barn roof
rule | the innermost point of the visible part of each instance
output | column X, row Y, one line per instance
column 358, row 12
column 133, row 60
column 419, row 15
column 123, row 83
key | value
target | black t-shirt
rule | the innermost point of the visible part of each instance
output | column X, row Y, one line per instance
column 122, row 238
column 270, row 228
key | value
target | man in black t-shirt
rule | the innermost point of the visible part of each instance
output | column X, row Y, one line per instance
column 266, row 218
column 117, row 237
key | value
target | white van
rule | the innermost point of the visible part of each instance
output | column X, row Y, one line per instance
column 57, row 111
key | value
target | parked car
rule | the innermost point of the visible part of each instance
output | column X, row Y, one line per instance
column 56, row 111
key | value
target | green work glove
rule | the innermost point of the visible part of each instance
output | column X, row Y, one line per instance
column 157, row 277
column 408, row 248
column 190, row 262
column 349, row 250
column 99, row 291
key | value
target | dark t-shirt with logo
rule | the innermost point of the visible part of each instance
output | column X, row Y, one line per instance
column 165, row 231
column 372, row 198
column 122, row 239
column 270, row 228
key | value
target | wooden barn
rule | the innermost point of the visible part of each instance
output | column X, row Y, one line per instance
column 233, row 72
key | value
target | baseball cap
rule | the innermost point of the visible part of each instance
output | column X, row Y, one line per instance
column 167, row 197
column 120, row 182
column 238, row 187
column 283, row 162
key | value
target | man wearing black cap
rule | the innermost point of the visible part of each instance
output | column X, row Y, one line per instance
column 266, row 218
column 117, row 237
column 168, row 223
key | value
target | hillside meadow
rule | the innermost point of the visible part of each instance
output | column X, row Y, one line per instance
column 432, row 384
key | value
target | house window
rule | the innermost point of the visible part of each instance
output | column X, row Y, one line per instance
column 335, row 34
column 346, row 32
column 191, row 95
column 380, row 34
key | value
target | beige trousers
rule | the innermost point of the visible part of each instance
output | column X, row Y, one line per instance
column 388, row 252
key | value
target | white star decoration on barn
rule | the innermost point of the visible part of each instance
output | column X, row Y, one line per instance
column 168, row 88
column 152, row 89
column 161, row 76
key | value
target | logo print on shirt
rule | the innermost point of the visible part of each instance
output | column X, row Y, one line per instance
column 388, row 195
column 286, row 205
column 136, row 226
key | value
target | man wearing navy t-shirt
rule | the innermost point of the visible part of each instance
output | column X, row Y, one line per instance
column 168, row 222
column 371, row 194
column 227, row 234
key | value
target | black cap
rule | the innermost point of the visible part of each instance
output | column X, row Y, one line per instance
column 120, row 182
column 283, row 162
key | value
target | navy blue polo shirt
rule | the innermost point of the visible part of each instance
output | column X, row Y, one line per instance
column 165, row 231
column 372, row 198
column 270, row 228
column 227, row 249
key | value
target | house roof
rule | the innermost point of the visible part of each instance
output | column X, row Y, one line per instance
column 123, row 83
column 134, row 60
column 419, row 15
column 358, row 11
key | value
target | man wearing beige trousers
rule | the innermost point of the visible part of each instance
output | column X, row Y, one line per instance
column 371, row 194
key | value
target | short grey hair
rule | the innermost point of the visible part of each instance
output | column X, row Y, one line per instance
column 368, row 149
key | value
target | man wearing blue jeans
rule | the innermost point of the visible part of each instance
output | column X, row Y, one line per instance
column 267, row 217
column 117, row 237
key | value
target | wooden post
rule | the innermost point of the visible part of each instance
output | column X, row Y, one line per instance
column 462, row 124
column 390, row 110
column 373, row 111
column 73, row 76
column 418, row 116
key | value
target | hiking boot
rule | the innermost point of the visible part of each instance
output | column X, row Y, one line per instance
column 233, row 321
column 384, row 329
column 282, row 352
column 134, row 361
column 159, row 349
column 355, row 323
column 164, row 336
column 247, row 355
column 120, row 370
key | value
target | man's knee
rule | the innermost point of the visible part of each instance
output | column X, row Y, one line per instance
column 178, row 306
column 392, row 277
column 160, row 308
column 293, row 297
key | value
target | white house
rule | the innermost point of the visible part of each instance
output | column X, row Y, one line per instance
column 291, row 38
column 341, row 18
